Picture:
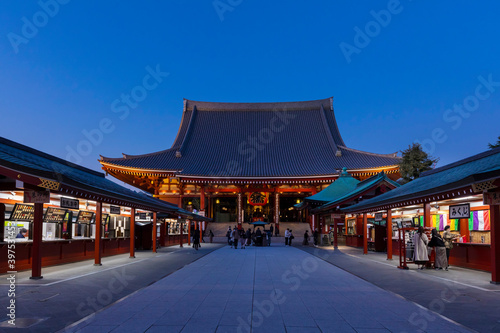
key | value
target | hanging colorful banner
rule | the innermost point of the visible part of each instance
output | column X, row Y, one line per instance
column 479, row 220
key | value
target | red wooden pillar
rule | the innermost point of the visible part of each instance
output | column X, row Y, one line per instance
column 98, row 233
column 36, row 263
column 464, row 229
column 132, row 233
column 202, row 199
column 427, row 215
column 389, row 234
column 182, row 235
column 495, row 243
column 154, row 232
column 365, row 233
column 335, row 232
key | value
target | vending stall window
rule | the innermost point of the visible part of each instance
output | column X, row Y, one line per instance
column 82, row 227
column 105, row 225
column 119, row 226
column 20, row 217
column 53, row 223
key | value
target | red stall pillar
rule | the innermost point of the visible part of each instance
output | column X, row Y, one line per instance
column 495, row 243
column 335, row 232
column 132, row 233
column 427, row 215
column 36, row 261
column 98, row 232
column 365, row 233
column 389, row 234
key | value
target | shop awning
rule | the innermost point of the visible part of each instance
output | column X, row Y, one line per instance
column 452, row 180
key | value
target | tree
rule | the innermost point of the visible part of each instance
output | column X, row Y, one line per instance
column 414, row 162
column 494, row 145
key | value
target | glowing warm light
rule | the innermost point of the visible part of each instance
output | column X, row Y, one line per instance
column 217, row 201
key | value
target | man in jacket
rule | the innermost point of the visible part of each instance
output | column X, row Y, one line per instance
column 448, row 238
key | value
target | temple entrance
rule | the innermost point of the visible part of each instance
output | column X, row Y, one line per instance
column 287, row 211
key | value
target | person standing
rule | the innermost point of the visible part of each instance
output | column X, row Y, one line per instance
column 316, row 237
column 248, row 236
column 271, row 228
column 438, row 243
column 228, row 235
column 235, row 237
column 269, row 234
column 448, row 242
column 306, row 238
column 196, row 239
column 420, row 254
column 242, row 238
column 290, row 238
column 287, row 236
column 211, row 236
column 258, row 237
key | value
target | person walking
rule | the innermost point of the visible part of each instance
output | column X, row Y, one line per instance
column 287, row 236
column 228, row 235
column 271, row 228
column 243, row 236
column 316, row 237
column 211, row 236
column 235, row 237
column 306, row 238
column 448, row 238
column 290, row 238
column 196, row 239
column 269, row 234
column 248, row 236
column 420, row 254
column 438, row 243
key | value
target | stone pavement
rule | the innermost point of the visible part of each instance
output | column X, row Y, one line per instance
column 463, row 295
column 270, row 289
column 67, row 293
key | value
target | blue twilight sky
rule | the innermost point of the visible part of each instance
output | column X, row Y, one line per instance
column 399, row 71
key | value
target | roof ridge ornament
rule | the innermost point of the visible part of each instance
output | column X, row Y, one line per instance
column 338, row 153
column 178, row 154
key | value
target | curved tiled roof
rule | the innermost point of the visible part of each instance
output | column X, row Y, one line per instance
column 289, row 139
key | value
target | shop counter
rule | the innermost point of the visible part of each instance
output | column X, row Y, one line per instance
column 62, row 251
column 354, row 240
column 471, row 255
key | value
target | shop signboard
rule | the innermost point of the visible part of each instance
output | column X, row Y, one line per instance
column 461, row 211
column 378, row 217
column 336, row 216
column 115, row 210
column 69, row 203
column 491, row 198
column 55, row 215
column 36, row 197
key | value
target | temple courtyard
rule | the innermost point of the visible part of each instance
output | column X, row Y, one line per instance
column 257, row 289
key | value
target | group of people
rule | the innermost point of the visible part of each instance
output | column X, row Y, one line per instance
column 288, row 237
column 247, row 238
column 441, row 244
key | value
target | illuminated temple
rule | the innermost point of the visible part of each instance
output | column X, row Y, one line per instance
column 241, row 162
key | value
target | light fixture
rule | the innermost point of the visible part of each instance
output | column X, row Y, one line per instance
column 190, row 203
column 217, row 201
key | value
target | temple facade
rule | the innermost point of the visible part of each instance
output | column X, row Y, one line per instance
column 242, row 162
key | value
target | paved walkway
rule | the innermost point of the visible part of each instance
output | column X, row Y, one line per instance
column 67, row 293
column 270, row 289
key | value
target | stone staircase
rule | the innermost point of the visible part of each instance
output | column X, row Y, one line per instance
column 220, row 228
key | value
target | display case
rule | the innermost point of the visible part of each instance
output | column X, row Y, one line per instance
column 53, row 223
column 20, row 217
column 174, row 227
column 83, row 226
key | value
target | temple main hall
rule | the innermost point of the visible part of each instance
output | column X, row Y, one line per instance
column 243, row 162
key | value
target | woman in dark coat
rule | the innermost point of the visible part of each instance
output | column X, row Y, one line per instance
column 438, row 243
